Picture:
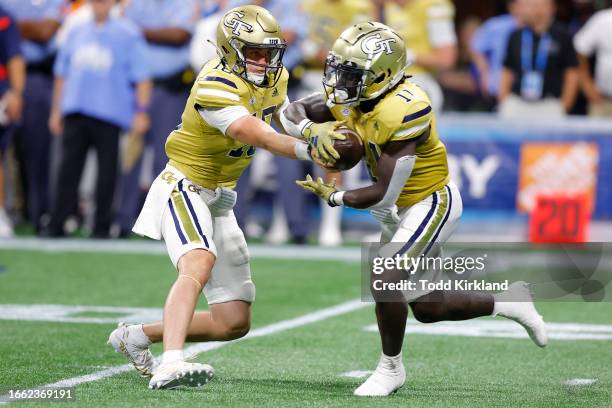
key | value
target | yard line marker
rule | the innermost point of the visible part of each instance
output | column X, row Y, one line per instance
column 356, row 374
column 267, row 330
column 580, row 381
column 505, row 329
column 291, row 252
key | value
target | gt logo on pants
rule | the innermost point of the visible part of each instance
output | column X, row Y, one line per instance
column 169, row 177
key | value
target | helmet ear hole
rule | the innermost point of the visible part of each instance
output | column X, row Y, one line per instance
column 380, row 78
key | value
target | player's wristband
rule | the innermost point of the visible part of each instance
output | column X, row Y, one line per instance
column 301, row 151
column 336, row 199
column 304, row 124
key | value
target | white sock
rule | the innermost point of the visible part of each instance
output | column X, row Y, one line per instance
column 172, row 356
column 388, row 363
column 138, row 335
column 502, row 305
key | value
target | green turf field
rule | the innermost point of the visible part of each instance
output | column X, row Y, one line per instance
column 301, row 366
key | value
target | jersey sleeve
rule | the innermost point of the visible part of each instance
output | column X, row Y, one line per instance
column 411, row 123
column 440, row 24
column 217, row 90
column 586, row 40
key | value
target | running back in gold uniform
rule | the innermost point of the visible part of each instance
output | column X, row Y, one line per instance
column 205, row 155
column 403, row 114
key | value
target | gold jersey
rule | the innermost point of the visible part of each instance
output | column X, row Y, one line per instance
column 202, row 152
column 328, row 19
column 412, row 22
column 403, row 114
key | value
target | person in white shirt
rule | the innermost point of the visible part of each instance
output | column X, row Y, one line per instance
column 594, row 39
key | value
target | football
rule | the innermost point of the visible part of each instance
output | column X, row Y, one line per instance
column 350, row 149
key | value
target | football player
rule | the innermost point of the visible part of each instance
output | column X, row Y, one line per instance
column 190, row 203
column 411, row 195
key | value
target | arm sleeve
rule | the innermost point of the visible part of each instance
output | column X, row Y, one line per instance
column 11, row 38
column 479, row 41
column 585, row 40
column 440, row 25
column 138, row 59
column 217, row 91
column 53, row 10
column 223, row 118
column 412, row 124
column 62, row 60
column 184, row 16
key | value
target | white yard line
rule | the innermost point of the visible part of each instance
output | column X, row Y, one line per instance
column 578, row 382
column 505, row 329
column 270, row 329
column 293, row 252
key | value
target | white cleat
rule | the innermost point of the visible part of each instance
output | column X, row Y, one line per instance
column 181, row 373
column 521, row 309
column 383, row 382
column 138, row 354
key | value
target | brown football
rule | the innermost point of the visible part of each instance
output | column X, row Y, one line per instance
column 350, row 149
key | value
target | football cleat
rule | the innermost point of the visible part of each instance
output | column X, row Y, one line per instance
column 181, row 374
column 524, row 313
column 138, row 354
column 386, row 380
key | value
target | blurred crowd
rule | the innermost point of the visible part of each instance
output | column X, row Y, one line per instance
column 90, row 89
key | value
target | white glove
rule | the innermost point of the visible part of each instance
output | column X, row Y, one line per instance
column 387, row 216
column 223, row 201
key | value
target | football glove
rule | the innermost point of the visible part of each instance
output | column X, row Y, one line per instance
column 321, row 136
column 319, row 187
column 387, row 216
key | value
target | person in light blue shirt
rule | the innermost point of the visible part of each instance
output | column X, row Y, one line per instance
column 489, row 46
column 38, row 21
column 101, row 87
column 167, row 26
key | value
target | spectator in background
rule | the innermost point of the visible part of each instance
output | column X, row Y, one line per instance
column 595, row 39
column 38, row 21
column 167, row 26
column 489, row 46
column 460, row 84
column 12, row 82
column 540, row 77
column 96, row 71
column 428, row 28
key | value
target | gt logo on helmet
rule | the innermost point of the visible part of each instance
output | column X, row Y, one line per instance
column 237, row 25
column 374, row 45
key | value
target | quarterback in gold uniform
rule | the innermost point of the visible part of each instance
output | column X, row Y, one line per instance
column 190, row 203
column 411, row 195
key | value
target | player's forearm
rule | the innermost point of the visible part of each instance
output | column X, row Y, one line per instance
column 38, row 31
column 168, row 36
column 585, row 79
column 17, row 76
column 439, row 59
column 365, row 197
column 505, row 85
column 570, row 89
column 312, row 108
column 255, row 132
column 144, row 90
column 58, row 89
